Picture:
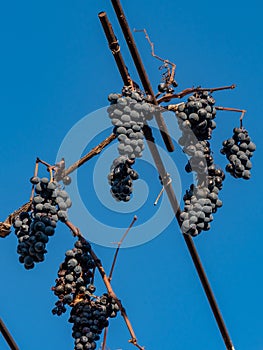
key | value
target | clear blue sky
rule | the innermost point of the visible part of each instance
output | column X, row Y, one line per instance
column 55, row 68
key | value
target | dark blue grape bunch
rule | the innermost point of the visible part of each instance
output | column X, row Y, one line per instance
column 74, row 277
column 121, row 178
column 89, row 318
column 200, row 158
column 238, row 150
column 33, row 229
column 33, row 235
column 128, row 113
column 197, row 115
column 201, row 202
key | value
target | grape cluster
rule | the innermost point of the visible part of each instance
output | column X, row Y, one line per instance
column 196, row 121
column 197, row 115
column 201, row 202
column 200, row 158
column 238, row 150
column 128, row 113
column 89, row 318
column 34, row 228
column 74, row 276
column 121, row 177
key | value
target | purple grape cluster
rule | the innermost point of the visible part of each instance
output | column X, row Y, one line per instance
column 197, row 115
column 201, row 202
column 74, row 276
column 128, row 113
column 34, row 228
column 121, row 178
column 238, row 150
column 89, row 318
column 195, row 119
column 200, row 158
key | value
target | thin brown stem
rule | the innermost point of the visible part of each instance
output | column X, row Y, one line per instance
column 171, row 74
column 105, row 278
column 169, row 97
column 44, row 163
column 105, row 338
column 95, row 151
column 111, row 272
column 230, row 109
column 119, row 246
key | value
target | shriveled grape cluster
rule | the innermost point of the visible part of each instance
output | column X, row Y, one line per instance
column 89, row 318
column 238, row 150
column 89, row 313
column 74, row 276
column 198, row 115
column 201, row 202
column 34, row 228
column 121, row 178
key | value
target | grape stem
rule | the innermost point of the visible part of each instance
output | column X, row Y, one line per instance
column 95, row 151
column 35, row 174
column 169, row 97
column 242, row 111
column 105, row 278
column 119, row 246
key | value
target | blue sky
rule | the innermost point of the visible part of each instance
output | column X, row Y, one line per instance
column 56, row 69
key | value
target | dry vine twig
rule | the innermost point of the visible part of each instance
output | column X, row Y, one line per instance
column 119, row 246
column 169, row 97
column 230, row 109
column 95, row 151
column 170, row 74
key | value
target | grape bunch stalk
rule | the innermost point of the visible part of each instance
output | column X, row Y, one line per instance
column 238, row 150
column 33, row 228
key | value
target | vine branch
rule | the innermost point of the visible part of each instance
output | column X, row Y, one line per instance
column 169, row 97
